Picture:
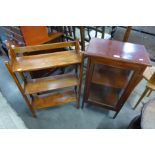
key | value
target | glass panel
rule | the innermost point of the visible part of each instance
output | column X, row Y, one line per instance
column 108, row 84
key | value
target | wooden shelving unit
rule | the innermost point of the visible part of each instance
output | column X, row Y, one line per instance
column 40, row 93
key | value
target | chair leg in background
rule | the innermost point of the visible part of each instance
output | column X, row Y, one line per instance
column 142, row 96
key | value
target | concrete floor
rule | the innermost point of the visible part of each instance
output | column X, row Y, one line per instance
column 67, row 116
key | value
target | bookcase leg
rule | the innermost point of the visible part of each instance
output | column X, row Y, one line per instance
column 80, row 86
column 21, row 89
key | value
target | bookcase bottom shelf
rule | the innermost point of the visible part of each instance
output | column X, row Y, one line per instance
column 54, row 99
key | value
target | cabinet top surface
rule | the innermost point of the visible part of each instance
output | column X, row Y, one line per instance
column 118, row 51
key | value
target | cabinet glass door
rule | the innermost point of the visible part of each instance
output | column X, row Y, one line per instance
column 108, row 84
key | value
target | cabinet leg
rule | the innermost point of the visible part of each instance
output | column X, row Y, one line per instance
column 142, row 96
column 116, row 113
column 88, row 76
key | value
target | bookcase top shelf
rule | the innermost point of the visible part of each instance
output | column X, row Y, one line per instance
column 44, row 61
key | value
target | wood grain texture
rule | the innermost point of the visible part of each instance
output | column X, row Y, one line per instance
column 48, row 61
column 11, row 53
column 50, row 83
column 127, row 33
column 44, row 47
column 151, row 86
column 44, row 61
column 40, row 102
column 119, row 51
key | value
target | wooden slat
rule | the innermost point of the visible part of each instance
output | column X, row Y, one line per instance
column 11, row 53
column 54, row 35
column 43, row 47
column 50, row 83
column 40, row 102
column 44, row 61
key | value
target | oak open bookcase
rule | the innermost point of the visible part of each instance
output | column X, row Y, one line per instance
column 51, row 90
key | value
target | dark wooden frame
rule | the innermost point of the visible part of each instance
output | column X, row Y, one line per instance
column 95, row 56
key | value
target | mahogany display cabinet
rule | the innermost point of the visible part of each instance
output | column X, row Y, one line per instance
column 114, row 69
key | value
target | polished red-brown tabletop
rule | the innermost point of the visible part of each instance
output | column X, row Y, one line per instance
column 117, row 50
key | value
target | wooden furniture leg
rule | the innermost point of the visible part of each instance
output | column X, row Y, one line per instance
column 103, row 31
column 95, row 31
column 82, row 33
column 21, row 90
column 131, row 85
column 113, row 31
column 149, row 93
column 88, row 78
column 127, row 33
column 142, row 96
column 80, row 86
